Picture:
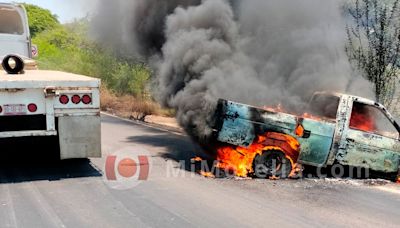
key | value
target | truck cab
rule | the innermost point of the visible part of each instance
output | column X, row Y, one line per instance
column 365, row 135
column 14, row 31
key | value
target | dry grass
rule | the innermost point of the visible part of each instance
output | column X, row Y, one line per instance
column 130, row 107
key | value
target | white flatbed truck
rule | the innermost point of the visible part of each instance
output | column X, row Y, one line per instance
column 59, row 108
column 50, row 103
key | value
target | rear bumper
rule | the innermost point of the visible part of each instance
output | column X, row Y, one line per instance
column 12, row 134
column 27, row 125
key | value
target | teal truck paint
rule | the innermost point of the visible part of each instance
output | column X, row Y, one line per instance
column 337, row 135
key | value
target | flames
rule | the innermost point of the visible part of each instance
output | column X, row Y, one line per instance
column 309, row 116
column 299, row 131
column 206, row 174
column 362, row 121
column 239, row 160
column 197, row 159
column 279, row 108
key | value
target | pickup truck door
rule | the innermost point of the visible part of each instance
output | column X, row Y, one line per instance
column 370, row 139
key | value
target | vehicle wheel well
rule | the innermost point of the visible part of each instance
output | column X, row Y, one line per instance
column 287, row 144
column 272, row 162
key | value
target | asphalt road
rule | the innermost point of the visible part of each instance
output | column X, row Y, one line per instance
column 75, row 194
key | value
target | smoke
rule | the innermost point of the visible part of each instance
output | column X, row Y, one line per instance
column 134, row 28
column 297, row 48
column 261, row 52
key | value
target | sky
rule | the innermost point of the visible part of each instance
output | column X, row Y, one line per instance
column 66, row 10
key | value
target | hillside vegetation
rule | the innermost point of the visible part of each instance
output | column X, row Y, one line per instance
column 66, row 47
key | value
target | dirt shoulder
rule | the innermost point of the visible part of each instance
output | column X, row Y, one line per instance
column 169, row 122
column 143, row 110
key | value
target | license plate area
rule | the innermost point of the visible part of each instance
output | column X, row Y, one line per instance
column 15, row 109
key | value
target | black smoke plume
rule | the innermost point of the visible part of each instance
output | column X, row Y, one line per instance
column 260, row 52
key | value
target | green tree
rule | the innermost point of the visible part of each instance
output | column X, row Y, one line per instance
column 374, row 44
column 40, row 19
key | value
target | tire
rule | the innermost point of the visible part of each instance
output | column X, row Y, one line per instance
column 19, row 64
column 272, row 163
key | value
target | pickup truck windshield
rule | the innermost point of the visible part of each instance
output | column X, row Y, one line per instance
column 10, row 21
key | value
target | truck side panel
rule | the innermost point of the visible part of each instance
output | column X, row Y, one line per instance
column 315, row 149
column 240, row 124
column 371, row 151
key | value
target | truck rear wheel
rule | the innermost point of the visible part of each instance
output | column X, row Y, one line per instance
column 272, row 163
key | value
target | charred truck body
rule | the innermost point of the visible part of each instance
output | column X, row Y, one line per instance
column 341, row 129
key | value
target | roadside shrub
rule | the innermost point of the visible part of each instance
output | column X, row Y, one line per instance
column 128, row 106
column 65, row 48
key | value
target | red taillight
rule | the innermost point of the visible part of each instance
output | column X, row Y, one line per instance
column 86, row 99
column 76, row 99
column 64, row 99
column 32, row 108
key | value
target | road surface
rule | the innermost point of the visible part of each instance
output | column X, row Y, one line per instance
column 74, row 193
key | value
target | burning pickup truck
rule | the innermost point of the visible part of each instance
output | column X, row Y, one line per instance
column 340, row 129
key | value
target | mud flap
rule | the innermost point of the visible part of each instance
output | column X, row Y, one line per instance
column 79, row 136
